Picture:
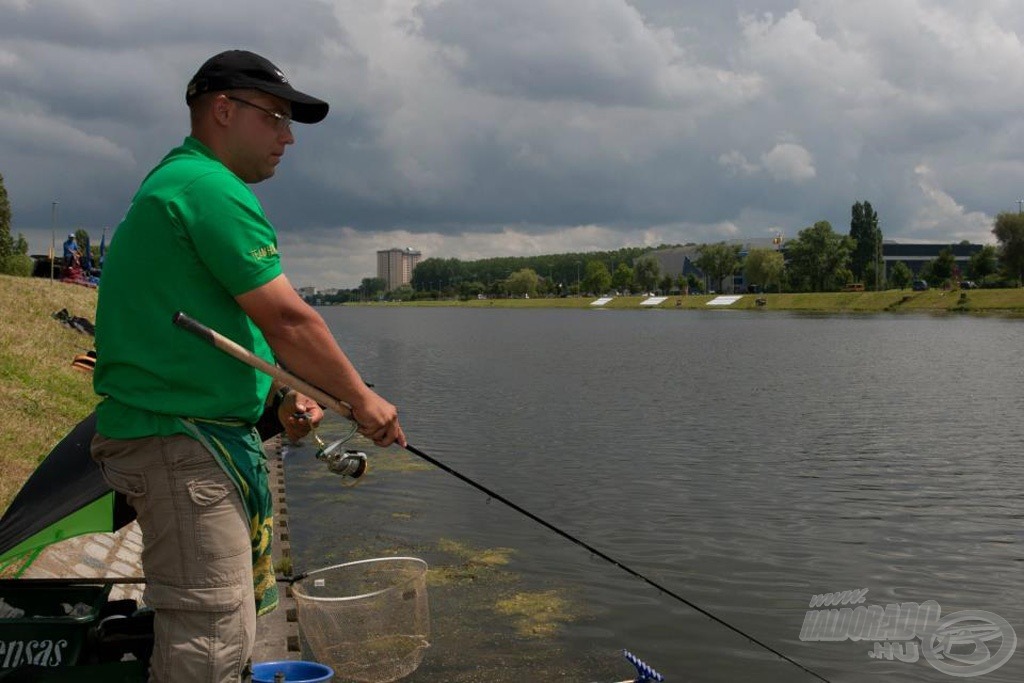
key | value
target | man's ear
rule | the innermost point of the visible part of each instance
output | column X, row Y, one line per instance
column 222, row 109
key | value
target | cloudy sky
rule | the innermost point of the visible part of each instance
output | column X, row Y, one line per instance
column 516, row 127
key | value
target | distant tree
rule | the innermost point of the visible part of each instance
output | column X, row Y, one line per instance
column 403, row 293
column 433, row 273
column 596, row 278
column 925, row 272
column 874, row 276
column 718, row 261
column 622, row 278
column 983, row 262
column 370, row 287
column 471, row 290
column 763, row 267
column 857, row 234
column 1009, row 230
column 943, row 267
column 14, row 259
column 498, row 288
column 867, row 240
column 19, row 265
column 523, row 282
column 5, row 222
column 901, row 275
column 646, row 272
column 81, row 239
column 693, row 284
column 665, row 284
column 818, row 257
column 340, row 297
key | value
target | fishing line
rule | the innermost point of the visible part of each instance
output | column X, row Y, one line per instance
column 583, row 544
column 249, row 358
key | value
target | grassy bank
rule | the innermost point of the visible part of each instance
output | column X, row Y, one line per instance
column 44, row 397
column 995, row 301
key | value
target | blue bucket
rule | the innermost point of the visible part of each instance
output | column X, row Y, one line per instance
column 294, row 672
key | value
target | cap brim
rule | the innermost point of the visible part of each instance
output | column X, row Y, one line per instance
column 305, row 108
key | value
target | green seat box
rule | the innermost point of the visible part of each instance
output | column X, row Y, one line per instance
column 46, row 635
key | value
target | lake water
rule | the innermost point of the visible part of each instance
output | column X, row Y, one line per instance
column 745, row 461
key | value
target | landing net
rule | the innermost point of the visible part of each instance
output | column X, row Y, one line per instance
column 367, row 620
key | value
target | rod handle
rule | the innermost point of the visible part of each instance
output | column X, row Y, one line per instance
column 185, row 322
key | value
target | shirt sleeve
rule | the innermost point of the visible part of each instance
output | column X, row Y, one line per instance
column 232, row 236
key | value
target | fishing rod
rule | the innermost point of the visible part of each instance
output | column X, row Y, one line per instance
column 345, row 410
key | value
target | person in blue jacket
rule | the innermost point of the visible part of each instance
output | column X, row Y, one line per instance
column 72, row 256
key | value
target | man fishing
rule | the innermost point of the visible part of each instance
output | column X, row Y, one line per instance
column 174, row 425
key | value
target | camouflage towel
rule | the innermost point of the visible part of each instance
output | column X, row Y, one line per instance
column 238, row 450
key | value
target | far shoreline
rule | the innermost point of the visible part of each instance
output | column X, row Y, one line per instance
column 1000, row 302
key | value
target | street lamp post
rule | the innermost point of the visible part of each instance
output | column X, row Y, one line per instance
column 880, row 269
column 578, row 292
column 53, row 238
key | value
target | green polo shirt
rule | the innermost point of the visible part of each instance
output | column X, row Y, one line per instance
column 194, row 237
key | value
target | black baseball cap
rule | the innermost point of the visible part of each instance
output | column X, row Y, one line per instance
column 244, row 69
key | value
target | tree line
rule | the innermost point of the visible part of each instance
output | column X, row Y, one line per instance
column 551, row 274
column 14, row 258
column 818, row 259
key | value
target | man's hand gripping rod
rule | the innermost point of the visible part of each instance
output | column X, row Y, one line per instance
column 344, row 464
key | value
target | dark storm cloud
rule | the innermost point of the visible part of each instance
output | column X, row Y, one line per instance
column 597, row 51
column 92, row 93
column 295, row 28
column 596, row 122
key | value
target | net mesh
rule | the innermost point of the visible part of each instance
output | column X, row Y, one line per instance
column 367, row 620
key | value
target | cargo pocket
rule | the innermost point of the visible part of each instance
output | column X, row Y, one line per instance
column 109, row 455
column 220, row 525
column 131, row 484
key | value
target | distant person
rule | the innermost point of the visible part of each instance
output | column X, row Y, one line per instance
column 72, row 256
column 175, row 424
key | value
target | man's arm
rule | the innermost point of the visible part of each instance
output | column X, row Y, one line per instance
column 300, row 338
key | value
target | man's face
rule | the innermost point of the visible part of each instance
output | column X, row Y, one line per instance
column 256, row 137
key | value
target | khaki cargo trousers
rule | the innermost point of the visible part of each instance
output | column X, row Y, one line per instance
column 196, row 555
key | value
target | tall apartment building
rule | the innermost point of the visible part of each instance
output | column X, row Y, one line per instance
column 395, row 266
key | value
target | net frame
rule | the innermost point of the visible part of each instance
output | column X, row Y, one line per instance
column 374, row 635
